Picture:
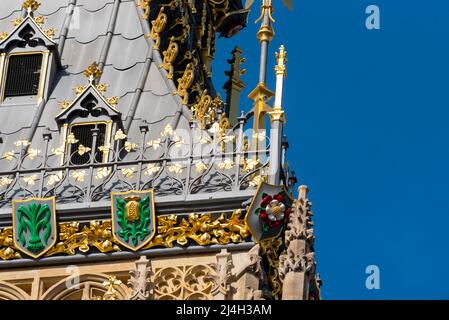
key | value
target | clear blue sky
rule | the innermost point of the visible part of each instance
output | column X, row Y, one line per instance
column 368, row 125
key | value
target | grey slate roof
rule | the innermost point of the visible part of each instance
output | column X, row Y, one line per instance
column 112, row 33
column 124, row 68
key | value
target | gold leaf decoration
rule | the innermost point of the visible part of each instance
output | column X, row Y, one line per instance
column 128, row 172
column 7, row 249
column 79, row 90
column 31, row 5
column 93, row 72
column 119, row 135
column 98, row 234
column 50, row 33
column 226, row 164
column 22, row 143
column 65, row 104
column 105, row 148
column 71, row 139
column 129, row 146
column 175, row 168
column 151, row 169
column 102, row 88
column 145, row 6
column 9, row 155
column 4, row 35
column 256, row 180
column 16, row 22
column 168, row 131
column 30, row 180
column 79, row 175
column 199, row 228
column 113, row 101
column 55, row 178
column 200, row 167
column 39, row 20
column 33, row 153
column 5, row 181
column 250, row 164
column 155, row 144
column 82, row 150
column 102, row 173
column 202, row 229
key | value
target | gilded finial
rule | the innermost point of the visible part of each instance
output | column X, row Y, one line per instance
column 277, row 114
column 281, row 58
column 267, row 7
column 30, row 5
column 111, row 293
column 93, row 72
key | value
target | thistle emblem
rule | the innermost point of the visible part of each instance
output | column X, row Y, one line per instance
column 133, row 218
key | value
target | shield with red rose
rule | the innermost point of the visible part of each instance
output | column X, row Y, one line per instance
column 269, row 212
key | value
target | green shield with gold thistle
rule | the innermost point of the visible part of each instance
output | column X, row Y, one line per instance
column 34, row 225
column 133, row 218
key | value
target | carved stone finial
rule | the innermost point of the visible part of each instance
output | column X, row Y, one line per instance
column 223, row 277
column 140, row 280
column 298, row 264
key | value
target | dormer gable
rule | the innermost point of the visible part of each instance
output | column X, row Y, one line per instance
column 28, row 56
column 90, row 104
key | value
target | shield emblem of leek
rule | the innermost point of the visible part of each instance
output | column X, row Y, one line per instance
column 269, row 212
column 34, row 225
column 133, row 218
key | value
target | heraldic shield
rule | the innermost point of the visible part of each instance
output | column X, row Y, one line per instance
column 269, row 212
column 133, row 218
column 34, row 225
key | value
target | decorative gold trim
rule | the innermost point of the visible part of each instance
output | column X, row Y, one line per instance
column 271, row 250
column 200, row 228
column 2, row 71
column 43, row 77
column 14, row 202
column 153, row 217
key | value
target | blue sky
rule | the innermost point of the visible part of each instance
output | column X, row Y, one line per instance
column 368, row 125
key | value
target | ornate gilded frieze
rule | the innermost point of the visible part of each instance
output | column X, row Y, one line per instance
column 199, row 229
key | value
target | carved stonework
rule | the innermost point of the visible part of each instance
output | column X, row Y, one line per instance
column 140, row 280
column 223, row 277
column 183, row 283
column 297, row 265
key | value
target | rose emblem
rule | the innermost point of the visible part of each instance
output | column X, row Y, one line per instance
column 273, row 211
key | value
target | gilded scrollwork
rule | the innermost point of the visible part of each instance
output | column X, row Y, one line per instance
column 202, row 229
column 97, row 234
column 158, row 26
column 7, row 248
column 169, row 57
column 271, row 250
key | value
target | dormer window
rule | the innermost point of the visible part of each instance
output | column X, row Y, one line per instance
column 29, row 59
column 81, row 150
column 23, row 75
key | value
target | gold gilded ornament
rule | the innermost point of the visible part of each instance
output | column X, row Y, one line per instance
column 132, row 208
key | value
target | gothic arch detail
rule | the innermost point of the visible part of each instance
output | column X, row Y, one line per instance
column 84, row 287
